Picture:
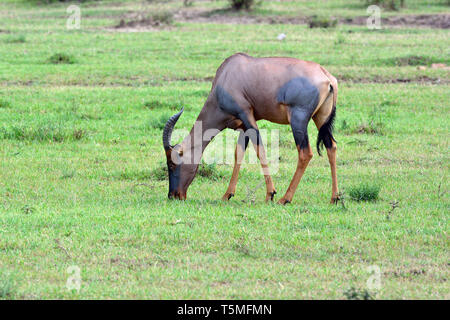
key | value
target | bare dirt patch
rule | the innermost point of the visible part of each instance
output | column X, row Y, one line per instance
column 440, row 21
column 138, row 22
column 135, row 26
column 380, row 79
column 226, row 16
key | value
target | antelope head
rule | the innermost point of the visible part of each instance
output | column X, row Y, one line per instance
column 181, row 172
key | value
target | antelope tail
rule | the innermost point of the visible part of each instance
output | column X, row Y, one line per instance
column 325, row 136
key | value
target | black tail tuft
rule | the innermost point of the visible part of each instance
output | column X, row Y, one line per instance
column 325, row 136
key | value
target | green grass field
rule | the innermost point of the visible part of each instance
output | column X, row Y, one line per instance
column 81, row 159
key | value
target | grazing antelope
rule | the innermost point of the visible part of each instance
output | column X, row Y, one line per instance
column 245, row 90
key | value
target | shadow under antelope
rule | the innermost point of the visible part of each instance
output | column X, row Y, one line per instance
column 245, row 90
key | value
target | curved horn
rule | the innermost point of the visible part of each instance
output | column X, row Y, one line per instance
column 168, row 128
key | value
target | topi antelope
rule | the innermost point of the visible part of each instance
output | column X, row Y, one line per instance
column 245, row 90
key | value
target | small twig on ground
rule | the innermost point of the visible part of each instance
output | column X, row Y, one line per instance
column 394, row 205
column 251, row 193
column 60, row 246
column 179, row 221
column 439, row 194
column 141, row 184
column 341, row 199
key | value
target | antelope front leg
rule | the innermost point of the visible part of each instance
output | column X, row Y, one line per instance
column 239, row 153
column 260, row 152
column 331, row 152
column 304, row 156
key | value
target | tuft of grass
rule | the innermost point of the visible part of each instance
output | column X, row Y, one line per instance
column 375, row 124
column 162, row 17
column 242, row 4
column 372, row 127
column 67, row 174
column 387, row 4
column 159, row 122
column 135, row 175
column 241, row 248
column 157, row 104
column 61, row 58
column 358, row 294
column 160, row 173
column 90, row 116
column 286, row 140
column 154, row 104
column 15, row 39
column 344, row 126
column 4, row 104
column 209, row 171
column 364, row 192
column 154, row 19
column 410, row 60
column 78, row 134
column 340, row 39
column 6, row 286
column 27, row 209
column 43, row 132
column 322, row 22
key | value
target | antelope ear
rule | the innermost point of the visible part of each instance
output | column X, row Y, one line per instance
column 177, row 153
column 178, row 149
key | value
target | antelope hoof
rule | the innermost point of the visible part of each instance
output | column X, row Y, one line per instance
column 284, row 201
column 270, row 195
column 227, row 196
column 335, row 200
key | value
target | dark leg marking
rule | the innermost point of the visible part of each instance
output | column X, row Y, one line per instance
column 243, row 140
column 272, row 194
column 229, row 105
column 299, row 92
column 299, row 124
column 302, row 97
